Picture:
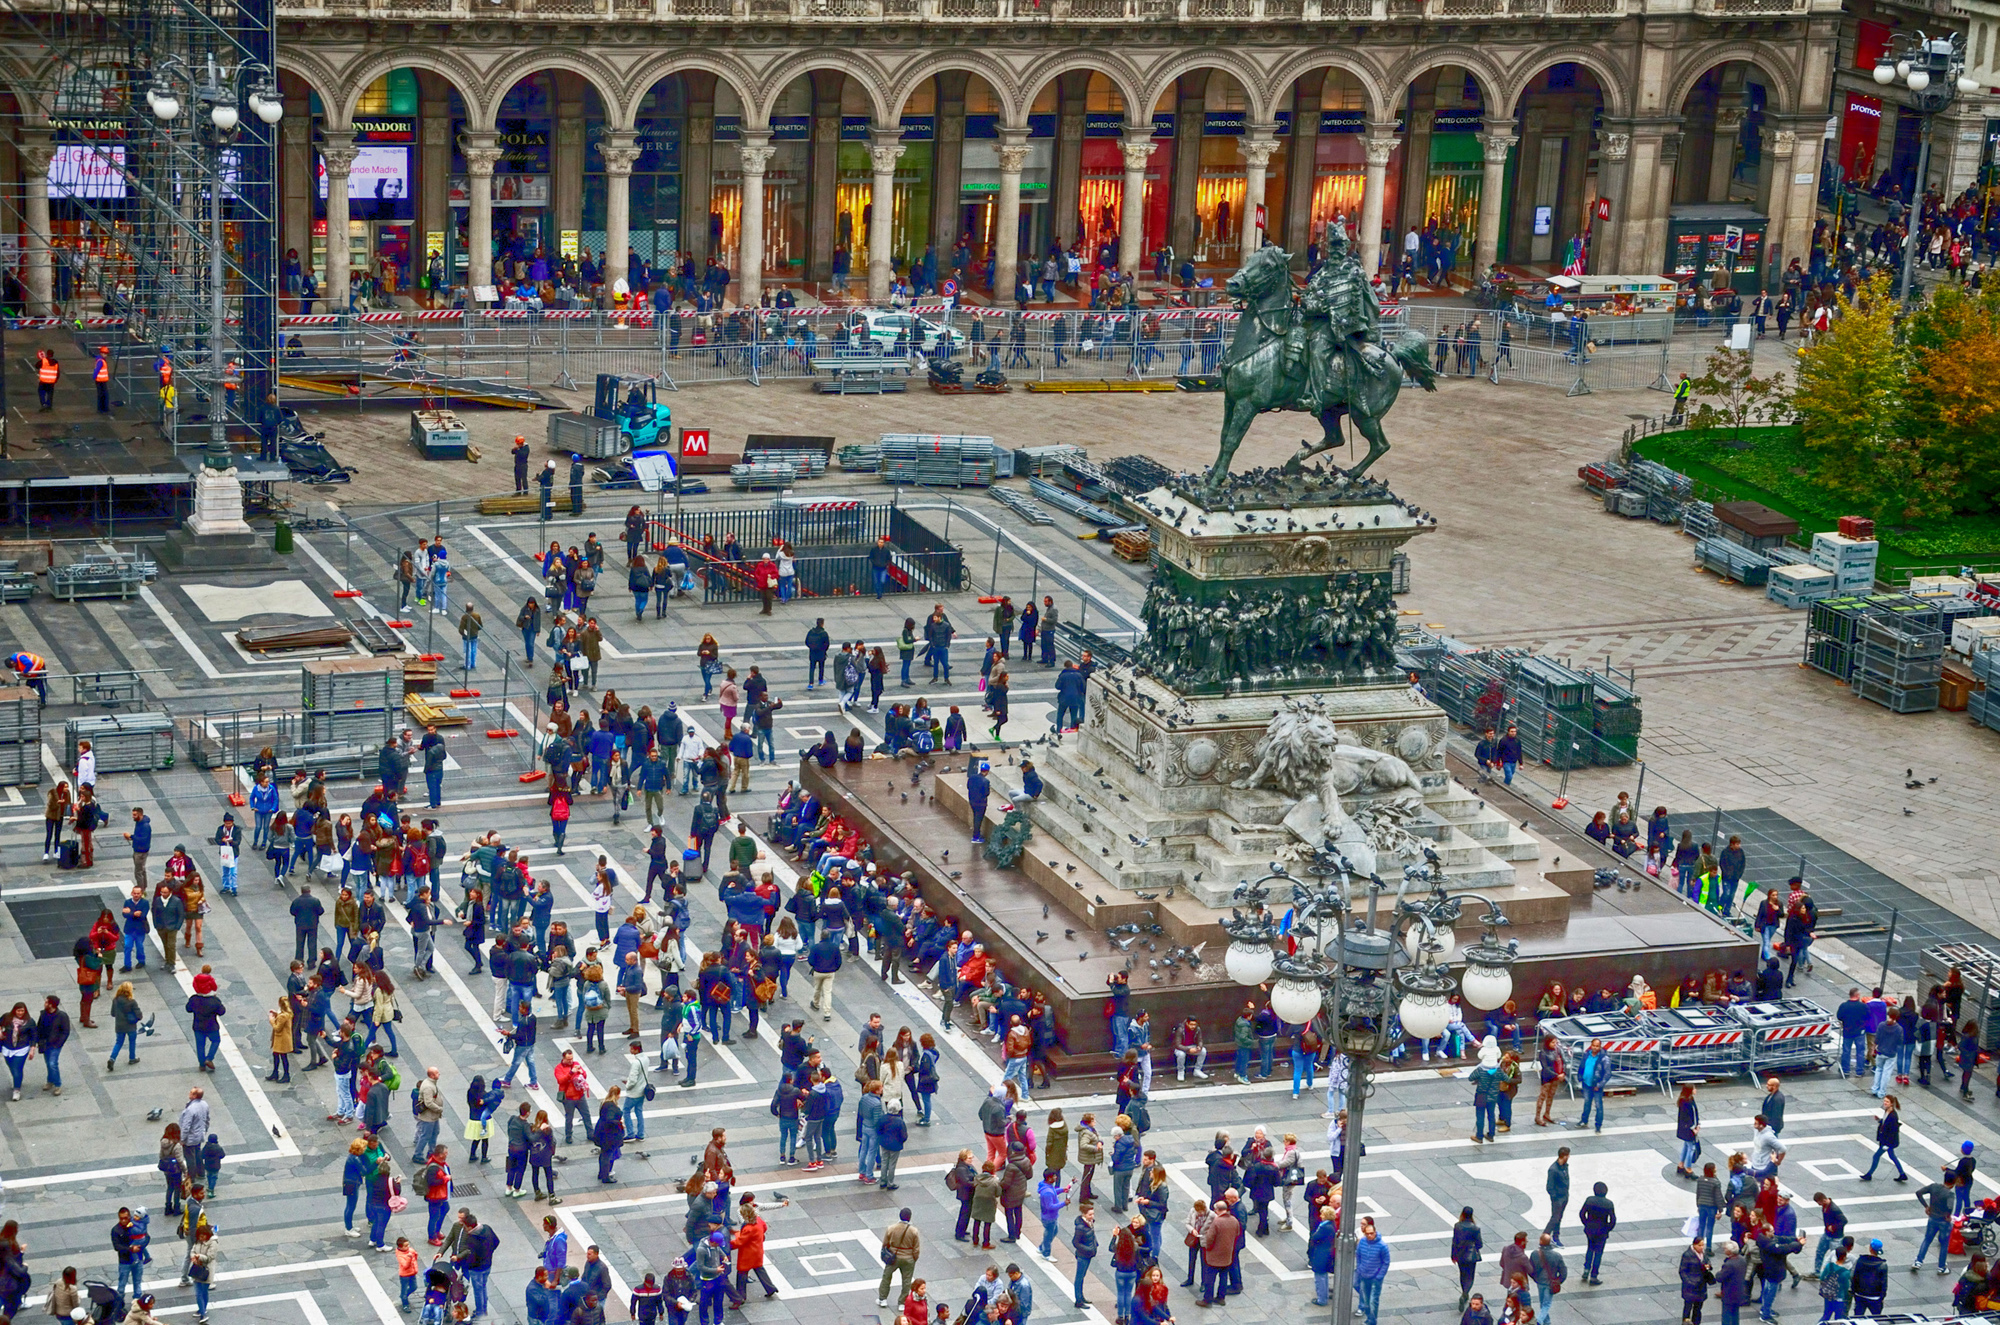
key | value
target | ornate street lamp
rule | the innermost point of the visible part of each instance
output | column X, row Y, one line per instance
column 1355, row 976
column 1933, row 69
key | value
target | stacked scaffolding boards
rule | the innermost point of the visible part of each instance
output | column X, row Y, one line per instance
column 20, row 737
column 940, row 460
column 1732, row 561
column 1554, row 712
column 1615, row 722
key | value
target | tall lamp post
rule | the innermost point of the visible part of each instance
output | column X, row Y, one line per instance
column 1933, row 70
column 220, row 94
column 1354, row 975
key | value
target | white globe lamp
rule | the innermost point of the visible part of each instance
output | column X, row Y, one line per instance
column 1425, row 1014
column 1248, row 963
column 1443, row 943
column 1295, row 1001
column 1485, row 987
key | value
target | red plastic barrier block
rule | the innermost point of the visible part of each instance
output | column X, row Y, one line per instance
column 535, row 776
column 347, row 593
column 399, row 625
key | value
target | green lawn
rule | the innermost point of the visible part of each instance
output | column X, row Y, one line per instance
column 1771, row 465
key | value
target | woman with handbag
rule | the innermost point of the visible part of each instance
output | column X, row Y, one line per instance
column 1291, row 1176
column 1197, row 1224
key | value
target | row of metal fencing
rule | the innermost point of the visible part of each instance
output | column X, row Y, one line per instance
column 444, row 351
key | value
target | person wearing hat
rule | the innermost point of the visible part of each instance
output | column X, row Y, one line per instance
column 100, row 373
column 1870, row 1283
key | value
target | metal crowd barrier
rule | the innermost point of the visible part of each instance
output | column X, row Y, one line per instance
column 1697, row 1043
column 1788, row 1035
column 1634, row 1050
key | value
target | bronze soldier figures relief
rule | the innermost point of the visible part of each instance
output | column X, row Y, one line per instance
column 1321, row 352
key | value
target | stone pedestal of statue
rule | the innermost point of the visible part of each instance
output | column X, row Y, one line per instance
column 215, row 535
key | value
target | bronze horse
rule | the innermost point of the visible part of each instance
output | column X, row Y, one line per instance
column 1258, row 375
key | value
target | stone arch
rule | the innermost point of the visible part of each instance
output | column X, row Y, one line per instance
column 1489, row 75
column 1611, row 81
column 1256, row 87
column 1780, row 74
column 509, row 72
column 343, row 94
column 314, row 72
column 666, row 64
column 907, row 80
column 30, row 93
column 862, row 70
column 1344, row 60
column 1116, row 67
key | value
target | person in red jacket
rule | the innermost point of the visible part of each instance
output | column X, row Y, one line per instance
column 766, row 573
column 748, row 1239
column 436, row 1179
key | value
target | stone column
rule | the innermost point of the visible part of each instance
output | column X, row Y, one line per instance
column 566, row 167
column 822, row 191
column 753, row 151
column 947, row 167
column 339, row 164
column 300, row 188
column 620, row 149
column 1066, row 184
column 1722, row 152
column 1778, row 145
column 482, row 153
column 1184, row 171
column 885, row 148
column 433, row 177
column 36, row 151
column 1498, row 140
column 1302, row 178
column 1259, row 146
column 1007, row 225
column 697, row 171
column 1615, row 151
column 1138, row 147
column 1379, row 144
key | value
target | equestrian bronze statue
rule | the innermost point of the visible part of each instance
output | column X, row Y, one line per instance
column 1319, row 351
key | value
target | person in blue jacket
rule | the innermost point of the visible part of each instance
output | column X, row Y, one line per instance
column 1319, row 1253
column 978, row 789
column 1031, row 781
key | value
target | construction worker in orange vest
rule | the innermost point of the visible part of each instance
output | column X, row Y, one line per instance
column 47, row 371
column 34, row 670
column 101, row 374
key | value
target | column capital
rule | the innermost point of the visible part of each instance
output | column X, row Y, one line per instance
column 1378, row 150
column 1138, row 145
column 1260, row 144
column 1728, row 119
column 482, row 152
column 1780, row 142
column 754, row 150
column 1617, row 146
column 1497, row 146
column 38, row 149
column 340, row 155
column 620, row 150
column 885, row 149
column 1013, row 156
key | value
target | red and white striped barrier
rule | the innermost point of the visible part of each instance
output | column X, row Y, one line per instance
column 1630, row 1046
column 310, row 320
column 1797, row 1032
column 1705, row 1039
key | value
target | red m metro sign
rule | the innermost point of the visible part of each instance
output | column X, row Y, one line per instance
column 694, row 441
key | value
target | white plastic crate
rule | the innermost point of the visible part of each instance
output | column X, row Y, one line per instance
column 1974, row 634
column 1931, row 585
column 1839, row 552
column 1797, row 586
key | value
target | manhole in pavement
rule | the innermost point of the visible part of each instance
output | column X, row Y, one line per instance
column 464, row 1188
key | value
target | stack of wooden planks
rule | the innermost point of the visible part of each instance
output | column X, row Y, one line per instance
column 1132, row 546
column 277, row 639
column 433, row 712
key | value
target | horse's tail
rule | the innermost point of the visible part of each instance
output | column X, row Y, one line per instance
column 1411, row 350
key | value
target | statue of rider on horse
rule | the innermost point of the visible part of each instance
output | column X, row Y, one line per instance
column 1320, row 352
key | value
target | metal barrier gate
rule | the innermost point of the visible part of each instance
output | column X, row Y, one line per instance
column 1788, row 1035
column 1696, row 1043
column 1634, row 1051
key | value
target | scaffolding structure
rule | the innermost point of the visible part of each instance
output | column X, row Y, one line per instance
column 154, row 123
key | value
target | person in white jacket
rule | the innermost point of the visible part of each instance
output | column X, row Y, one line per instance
column 690, row 756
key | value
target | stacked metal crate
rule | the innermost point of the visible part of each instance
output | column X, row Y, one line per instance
column 20, row 737
column 804, row 461
column 1899, row 663
column 939, row 460
column 1983, row 706
column 1615, row 721
column 1137, row 473
column 1833, row 634
column 122, row 742
column 350, row 701
column 1554, row 712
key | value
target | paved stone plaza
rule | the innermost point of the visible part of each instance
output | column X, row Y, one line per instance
column 1522, row 555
